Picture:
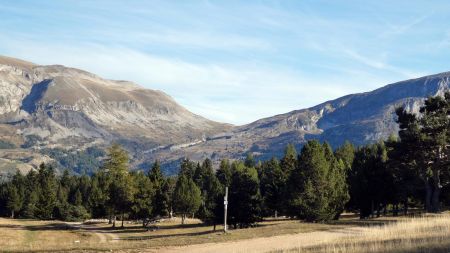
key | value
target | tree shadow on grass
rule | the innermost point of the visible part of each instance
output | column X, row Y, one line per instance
column 49, row 227
column 150, row 237
column 8, row 226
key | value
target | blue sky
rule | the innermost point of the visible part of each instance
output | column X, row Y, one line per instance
column 236, row 61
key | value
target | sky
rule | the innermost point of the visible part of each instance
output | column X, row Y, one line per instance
column 235, row 61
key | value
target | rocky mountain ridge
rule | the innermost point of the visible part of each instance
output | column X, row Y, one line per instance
column 48, row 107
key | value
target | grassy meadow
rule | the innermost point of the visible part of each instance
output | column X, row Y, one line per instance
column 401, row 234
column 30, row 235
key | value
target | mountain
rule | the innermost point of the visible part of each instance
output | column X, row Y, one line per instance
column 360, row 118
column 61, row 112
column 60, row 107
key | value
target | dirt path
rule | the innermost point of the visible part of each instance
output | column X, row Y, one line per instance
column 266, row 243
column 103, row 236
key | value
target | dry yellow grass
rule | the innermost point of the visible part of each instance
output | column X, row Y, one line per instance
column 424, row 234
column 29, row 235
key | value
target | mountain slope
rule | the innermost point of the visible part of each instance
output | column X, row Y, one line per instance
column 360, row 118
column 56, row 106
column 44, row 107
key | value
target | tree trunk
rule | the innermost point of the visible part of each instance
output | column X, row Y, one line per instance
column 405, row 207
column 12, row 214
column 114, row 221
column 122, row 219
column 371, row 210
column 183, row 216
column 436, row 192
column 110, row 219
column 428, row 194
column 214, row 226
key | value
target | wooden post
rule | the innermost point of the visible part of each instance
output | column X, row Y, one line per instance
column 225, row 205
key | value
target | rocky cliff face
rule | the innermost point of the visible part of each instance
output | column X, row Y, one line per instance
column 55, row 106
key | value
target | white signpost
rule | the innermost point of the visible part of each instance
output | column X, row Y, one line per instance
column 225, row 205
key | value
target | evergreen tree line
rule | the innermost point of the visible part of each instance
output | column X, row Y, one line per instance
column 317, row 184
column 276, row 187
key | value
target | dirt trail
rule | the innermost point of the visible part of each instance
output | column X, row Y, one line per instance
column 265, row 244
column 103, row 236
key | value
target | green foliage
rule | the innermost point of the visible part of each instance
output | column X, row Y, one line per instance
column 187, row 168
column 143, row 197
column 250, row 161
column 317, row 185
column 68, row 212
column 210, row 188
column 289, row 160
column 224, row 173
column 186, row 197
column 346, row 153
column 425, row 143
column 13, row 199
column 121, row 188
column 244, row 196
column 273, row 182
column 47, row 192
column 161, row 196
column 79, row 162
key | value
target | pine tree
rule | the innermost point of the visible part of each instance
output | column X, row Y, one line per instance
column 121, row 188
column 371, row 180
column 289, row 160
column 250, row 161
column 210, row 188
column 186, row 197
column 424, row 142
column 99, row 195
column 337, row 180
column 144, row 194
column 346, row 153
column 161, row 197
column 273, row 181
column 311, row 193
column 224, row 173
column 187, row 168
column 47, row 194
column 14, row 201
column 244, row 196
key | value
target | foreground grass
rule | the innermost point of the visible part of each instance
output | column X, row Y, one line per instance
column 424, row 234
column 45, row 236
column 30, row 235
